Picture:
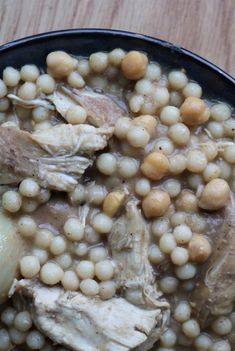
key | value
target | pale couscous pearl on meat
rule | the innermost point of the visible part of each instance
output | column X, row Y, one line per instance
column 142, row 186
column 89, row 287
column 58, row 245
column 203, row 342
column 107, row 289
column 179, row 256
column 51, row 273
column 170, row 115
column 186, row 271
column 192, row 89
column 116, row 56
column 104, row 270
column 91, row 236
column 168, row 284
column 161, row 96
column 5, row 340
column 29, row 188
column 196, row 161
column 29, row 205
column 83, row 67
column 220, row 112
column 29, row 73
column 98, row 62
column 43, row 238
column 155, row 255
column 78, row 195
column 96, row 194
column 29, row 266
column 143, row 87
column 229, row 154
column 165, row 146
column 127, row 167
column 81, row 249
column 23, row 321
column 102, row 223
column 182, row 234
column 216, row 129
column 27, row 227
column 75, row 80
column 70, row 281
column 222, row 345
column 153, row 72
column 11, row 201
column 160, row 226
column 222, row 325
column 11, row 76
column 97, row 254
column 122, row 127
column 41, row 254
column 178, row 218
column 7, row 316
column 177, row 164
column 46, row 84
column 64, row 260
column 40, row 114
column 211, row 171
column 167, row 243
column 191, row 328
column 17, row 337
column 225, row 169
column 85, row 269
column 138, row 136
column 182, row 312
column 135, row 104
column 176, row 99
column 173, row 187
column 168, row 338
column 177, row 80
column 76, row 115
column 3, row 89
column 27, row 91
column 74, row 229
column 179, row 134
column 35, row 340
column 106, row 163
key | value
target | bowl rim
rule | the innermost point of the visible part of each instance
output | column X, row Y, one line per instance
column 116, row 32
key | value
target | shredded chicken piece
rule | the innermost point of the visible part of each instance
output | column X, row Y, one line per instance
column 42, row 102
column 101, row 109
column 50, row 156
column 215, row 290
column 87, row 324
column 67, row 139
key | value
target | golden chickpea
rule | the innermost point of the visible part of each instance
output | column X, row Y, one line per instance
column 146, row 121
column 187, row 202
column 199, row 248
column 113, row 202
column 215, row 195
column 134, row 65
column 155, row 166
column 156, row 203
column 60, row 64
column 194, row 111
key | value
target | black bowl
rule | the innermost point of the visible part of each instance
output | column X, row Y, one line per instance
column 216, row 84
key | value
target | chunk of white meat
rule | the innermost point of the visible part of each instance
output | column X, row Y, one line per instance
column 11, row 249
column 67, row 139
column 129, row 244
column 42, row 102
column 88, row 324
column 51, row 156
column 100, row 108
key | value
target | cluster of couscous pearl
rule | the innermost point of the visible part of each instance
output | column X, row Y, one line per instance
column 67, row 258
column 17, row 329
column 172, row 133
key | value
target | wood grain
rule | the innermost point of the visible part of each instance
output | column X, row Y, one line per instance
column 206, row 27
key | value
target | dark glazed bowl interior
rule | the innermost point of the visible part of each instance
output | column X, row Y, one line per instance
column 216, row 83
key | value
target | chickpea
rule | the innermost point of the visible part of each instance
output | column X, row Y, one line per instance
column 155, row 166
column 156, row 203
column 134, row 65
column 187, row 202
column 60, row 64
column 194, row 111
column 215, row 195
column 199, row 248
column 113, row 202
column 146, row 121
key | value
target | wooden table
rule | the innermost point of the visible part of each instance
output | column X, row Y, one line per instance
column 206, row 27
